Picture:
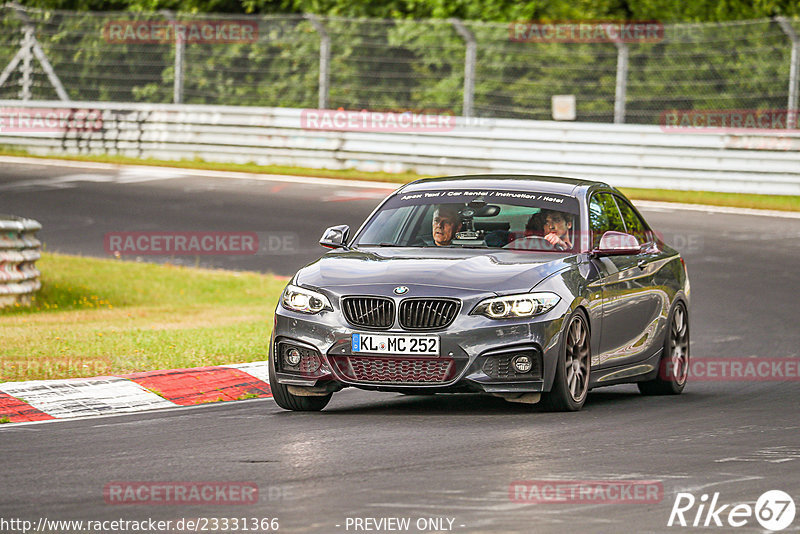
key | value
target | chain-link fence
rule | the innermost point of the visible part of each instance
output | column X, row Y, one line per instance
column 464, row 67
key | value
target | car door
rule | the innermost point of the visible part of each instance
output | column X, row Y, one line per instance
column 631, row 306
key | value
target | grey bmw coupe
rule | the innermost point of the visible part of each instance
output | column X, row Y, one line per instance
column 530, row 288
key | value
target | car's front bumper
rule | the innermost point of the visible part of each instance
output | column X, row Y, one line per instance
column 475, row 351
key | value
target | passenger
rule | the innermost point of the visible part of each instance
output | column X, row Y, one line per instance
column 554, row 226
column 446, row 223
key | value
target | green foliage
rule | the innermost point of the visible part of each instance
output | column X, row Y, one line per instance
column 493, row 10
column 401, row 64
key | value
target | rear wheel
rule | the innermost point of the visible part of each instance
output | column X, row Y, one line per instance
column 571, row 382
column 297, row 403
column 673, row 369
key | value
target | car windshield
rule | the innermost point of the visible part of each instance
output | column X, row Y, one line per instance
column 519, row 220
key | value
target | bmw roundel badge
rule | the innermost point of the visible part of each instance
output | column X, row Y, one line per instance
column 400, row 290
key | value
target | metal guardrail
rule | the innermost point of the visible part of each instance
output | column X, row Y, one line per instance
column 19, row 250
column 623, row 155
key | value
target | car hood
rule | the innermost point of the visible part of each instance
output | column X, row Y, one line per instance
column 498, row 271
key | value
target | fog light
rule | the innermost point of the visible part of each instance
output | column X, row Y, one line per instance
column 522, row 363
column 292, row 357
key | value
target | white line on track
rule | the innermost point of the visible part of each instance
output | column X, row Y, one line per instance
column 332, row 182
column 59, row 182
column 132, row 176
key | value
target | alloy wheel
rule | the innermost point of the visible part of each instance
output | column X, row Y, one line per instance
column 576, row 364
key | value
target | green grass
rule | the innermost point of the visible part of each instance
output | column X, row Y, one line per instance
column 95, row 317
column 739, row 200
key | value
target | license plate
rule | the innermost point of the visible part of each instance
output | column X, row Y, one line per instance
column 396, row 344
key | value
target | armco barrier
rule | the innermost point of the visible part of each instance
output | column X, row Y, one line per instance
column 760, row 161
column 19, row 250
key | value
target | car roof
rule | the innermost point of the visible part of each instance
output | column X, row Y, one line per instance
column 515, row 182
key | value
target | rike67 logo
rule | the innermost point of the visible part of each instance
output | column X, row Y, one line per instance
column 774, row 510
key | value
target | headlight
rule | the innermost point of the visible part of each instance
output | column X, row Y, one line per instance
column 524, row 305
column 304, row 300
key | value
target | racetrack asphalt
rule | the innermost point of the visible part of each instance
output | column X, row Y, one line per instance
column 383, row 455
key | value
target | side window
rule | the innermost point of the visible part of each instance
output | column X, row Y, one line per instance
column 386, row 227
column 603, row 217
column 418, row 227
column 633, row 223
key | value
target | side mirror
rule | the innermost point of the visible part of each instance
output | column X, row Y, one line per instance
column 617, row 244
column 335, row 236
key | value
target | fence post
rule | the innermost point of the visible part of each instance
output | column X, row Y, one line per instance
column 324, row 60
column 470, row 59
column 620, row 94
column 180, row 49
column 26, row 69
column 794, row 67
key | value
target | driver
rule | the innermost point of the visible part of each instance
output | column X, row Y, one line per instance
column 554, row 226
column 446, row 222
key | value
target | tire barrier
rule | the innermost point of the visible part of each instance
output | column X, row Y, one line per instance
column 19, row 250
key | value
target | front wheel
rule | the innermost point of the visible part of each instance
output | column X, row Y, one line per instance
column 288, row 401
column 673, row 369
column 571, row 383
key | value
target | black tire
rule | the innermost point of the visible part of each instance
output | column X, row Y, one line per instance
column 287, row 401
column 673, row 368
column 573, row 369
